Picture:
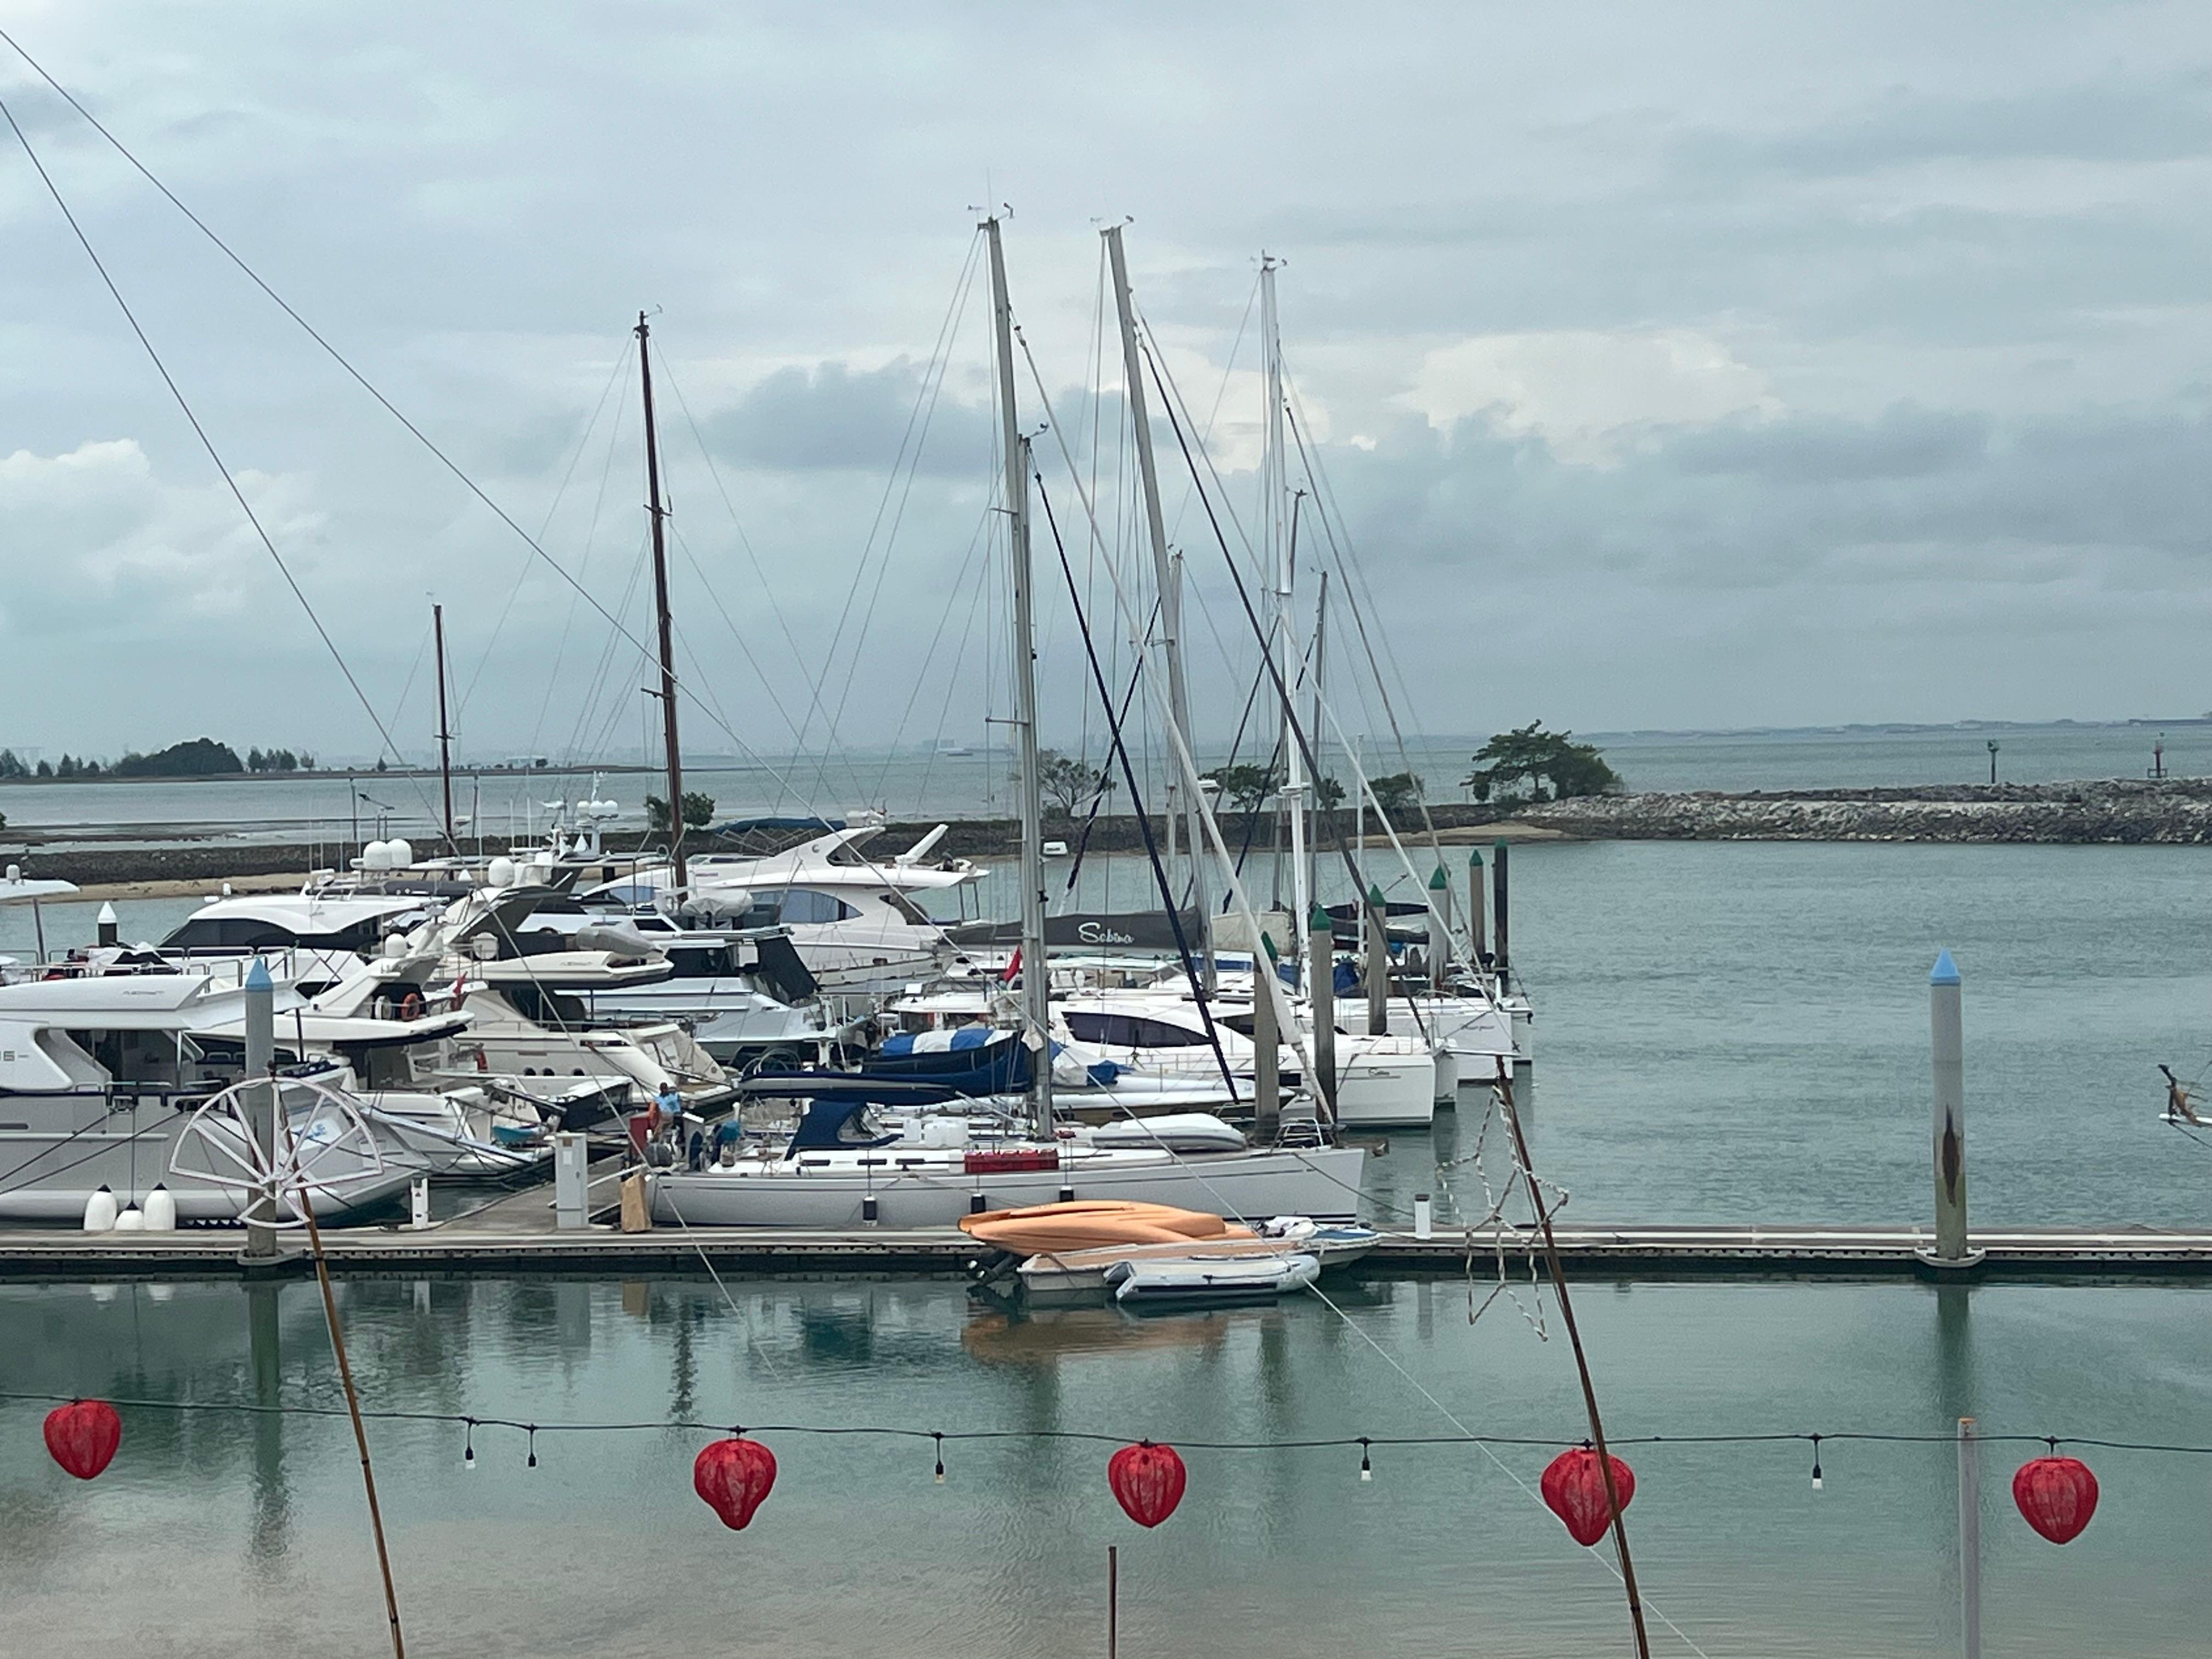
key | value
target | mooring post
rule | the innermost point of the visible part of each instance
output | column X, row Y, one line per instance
column 1378, row 964
column 1439, row 929
column 1477, row 934
column 108, row 929
column 1497, row 905
column 1114, row 1594
column 1266, row 1048
column 1969, row 1540
column 260, row 1093
column 1948, row 1044
column 1321, row 997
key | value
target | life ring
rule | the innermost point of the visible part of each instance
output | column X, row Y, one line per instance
column 410, row 1005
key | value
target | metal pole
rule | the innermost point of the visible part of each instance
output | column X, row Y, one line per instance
column 260, row 1093
column 660, row 602
column 1165, row 573
column 1969, row 1540
column 1477, row 933
column 1948, row 1045
column 1036, row 972
column 1285, row 546
column 1379, row 964
column 444, row 735
column 1320, row 996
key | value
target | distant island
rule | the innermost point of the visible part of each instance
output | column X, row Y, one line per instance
column 195, row 757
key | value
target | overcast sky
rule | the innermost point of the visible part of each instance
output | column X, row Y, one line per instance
column 1707, row 365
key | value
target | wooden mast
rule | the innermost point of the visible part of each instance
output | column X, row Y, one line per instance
column 653, row 506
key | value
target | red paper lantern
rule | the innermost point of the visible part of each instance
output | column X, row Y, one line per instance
column 84, row 1435
column 1147, row 1481
column 2057, row 1496
column 735, row 1477
column 1574, row 1489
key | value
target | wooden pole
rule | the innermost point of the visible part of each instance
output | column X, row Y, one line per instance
column 1581, row 1363
column 1948, row 1045
column 352, row 1410
column 1113, row 1601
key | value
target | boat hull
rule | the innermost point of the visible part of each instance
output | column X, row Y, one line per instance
column 1322, row 1182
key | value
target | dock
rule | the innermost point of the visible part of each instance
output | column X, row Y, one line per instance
column 516, row 1234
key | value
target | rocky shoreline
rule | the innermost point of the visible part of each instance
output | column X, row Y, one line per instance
column 2108, row 812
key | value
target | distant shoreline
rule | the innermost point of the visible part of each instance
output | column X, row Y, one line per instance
column 2171, row 811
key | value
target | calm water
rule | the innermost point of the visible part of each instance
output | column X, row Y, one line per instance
column 217, row 1533
column 1738, row 1031
column 924, row 784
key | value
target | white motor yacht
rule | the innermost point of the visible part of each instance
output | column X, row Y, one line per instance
column 857, row 922
column 100, row 1074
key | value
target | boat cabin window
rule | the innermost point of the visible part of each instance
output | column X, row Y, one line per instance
column 154, row 1058
column 803, row 905
column 1131, row 1031
column 546, row 1007
column 702, row 961
column 908, row 909
column 248, row 934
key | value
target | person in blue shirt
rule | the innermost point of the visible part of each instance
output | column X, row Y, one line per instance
column 667, row 1110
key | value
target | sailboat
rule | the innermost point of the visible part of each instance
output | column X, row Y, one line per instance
column 833, row 1172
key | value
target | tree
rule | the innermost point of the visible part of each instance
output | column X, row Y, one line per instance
column 10, row 767
column 1065, row 781
column 45, row 769
column 698, row 811
column 1328, row 793
column 256, row 761
column 1397, row 792
column 1531, row 756
column 67, row 768
column 1244, row 786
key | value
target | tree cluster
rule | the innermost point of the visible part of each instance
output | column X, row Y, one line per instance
column 1244, row 786
column 1529, row 764
column 698, row 811
column 198, row 757
column 71, row 766
column 278, row 760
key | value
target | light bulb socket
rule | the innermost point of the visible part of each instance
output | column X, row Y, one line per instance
column 1366, row 1469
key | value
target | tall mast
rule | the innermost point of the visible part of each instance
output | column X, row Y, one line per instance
column 1279, row 516
column 1165, row 573
column 661, row 605
column 1320, row 648
column 445, row 736
column 1037, row 974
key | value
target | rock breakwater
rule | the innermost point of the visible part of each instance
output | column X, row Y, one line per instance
column 2174, row 811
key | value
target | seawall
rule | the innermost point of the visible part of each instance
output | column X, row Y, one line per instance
column 2123, row 811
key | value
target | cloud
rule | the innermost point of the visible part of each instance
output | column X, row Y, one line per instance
column 1582, row 390
column 836, row 418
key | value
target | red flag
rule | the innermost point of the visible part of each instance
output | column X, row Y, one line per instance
column 1014, row 968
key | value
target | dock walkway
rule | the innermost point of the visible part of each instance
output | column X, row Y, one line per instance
column 517, row 1234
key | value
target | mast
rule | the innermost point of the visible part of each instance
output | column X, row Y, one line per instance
column 1321, row 645
column 1165, row 573
column 661, row 605
column 1280, row 507
column 1036, row 974
column 444, row 735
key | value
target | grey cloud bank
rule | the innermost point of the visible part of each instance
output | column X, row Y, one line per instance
column 1672, row 365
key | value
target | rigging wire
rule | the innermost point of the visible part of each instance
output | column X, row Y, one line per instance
column 199, row 431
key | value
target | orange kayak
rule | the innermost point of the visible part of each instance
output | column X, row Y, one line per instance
column 1093, row 1225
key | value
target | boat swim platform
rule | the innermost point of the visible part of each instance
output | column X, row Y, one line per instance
column 517, row 1236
